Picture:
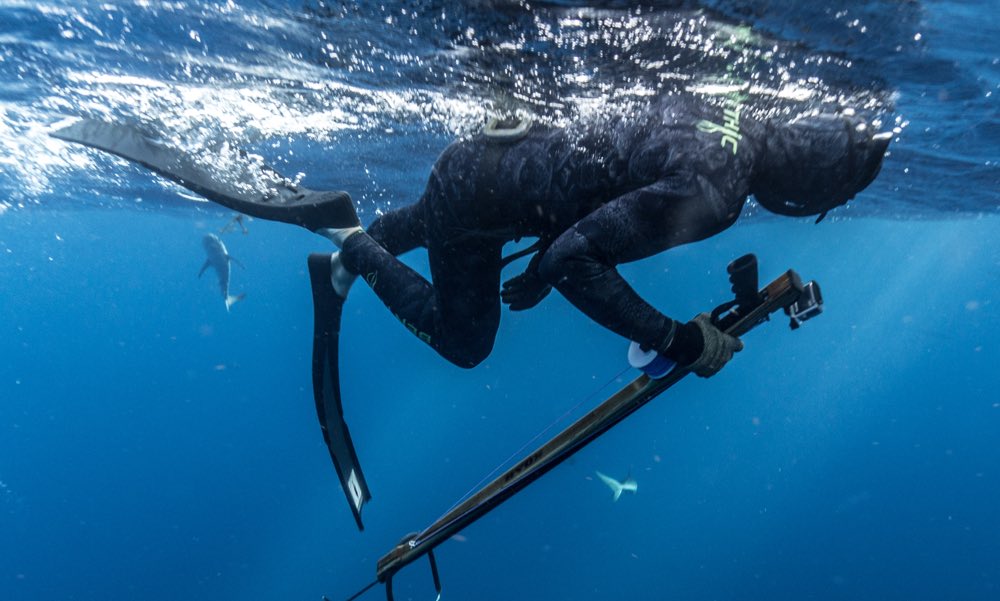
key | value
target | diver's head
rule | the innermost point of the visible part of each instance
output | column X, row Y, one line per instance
column 815, row 163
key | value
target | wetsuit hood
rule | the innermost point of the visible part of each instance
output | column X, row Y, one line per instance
column 815, row 163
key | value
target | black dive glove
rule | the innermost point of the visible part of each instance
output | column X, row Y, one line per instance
column 526, row 290
column 701, row 347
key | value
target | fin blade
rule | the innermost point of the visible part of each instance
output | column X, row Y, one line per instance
column 247, row 187
column 328, row 308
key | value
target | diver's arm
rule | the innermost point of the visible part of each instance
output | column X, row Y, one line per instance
column 581, row 265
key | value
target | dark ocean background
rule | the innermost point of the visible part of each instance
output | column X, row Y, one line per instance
column 155, row 447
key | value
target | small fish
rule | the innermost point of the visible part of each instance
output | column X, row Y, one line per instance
column 617, row 487
column 219, row 260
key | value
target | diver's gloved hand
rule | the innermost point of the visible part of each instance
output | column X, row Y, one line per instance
column 717, row 347
column 524, row 291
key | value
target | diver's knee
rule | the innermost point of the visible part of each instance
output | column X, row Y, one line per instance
column 464, row 360
column 467, row 355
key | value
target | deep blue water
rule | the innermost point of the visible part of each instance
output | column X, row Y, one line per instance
column 154, row 446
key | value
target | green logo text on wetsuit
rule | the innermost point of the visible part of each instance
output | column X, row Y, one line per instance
column 730, row 128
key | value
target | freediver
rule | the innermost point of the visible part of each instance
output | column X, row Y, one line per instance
column 236, row 221
column 594, row 195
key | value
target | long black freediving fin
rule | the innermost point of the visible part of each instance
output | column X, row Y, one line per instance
column 328, row 307
column 232, row 179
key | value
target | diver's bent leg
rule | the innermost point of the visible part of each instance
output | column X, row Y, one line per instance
column 401, row 230
column 466, row 276
column 397, row 231
column 459, row 319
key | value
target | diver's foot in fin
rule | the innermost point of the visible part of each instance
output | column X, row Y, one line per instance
column 329, row 277
column 326, row 211
column 342, row 220
column 340, row 277
column 339, row 235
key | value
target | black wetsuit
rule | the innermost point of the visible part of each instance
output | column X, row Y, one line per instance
column 596, row 196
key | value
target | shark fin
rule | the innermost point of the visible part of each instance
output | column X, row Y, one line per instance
column 612, row 484
column 203, row 268
column 629, row 483
column 232, row 299
column 617, row 487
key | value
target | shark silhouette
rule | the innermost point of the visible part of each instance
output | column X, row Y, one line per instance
column 617, row 487
column 219, row 260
